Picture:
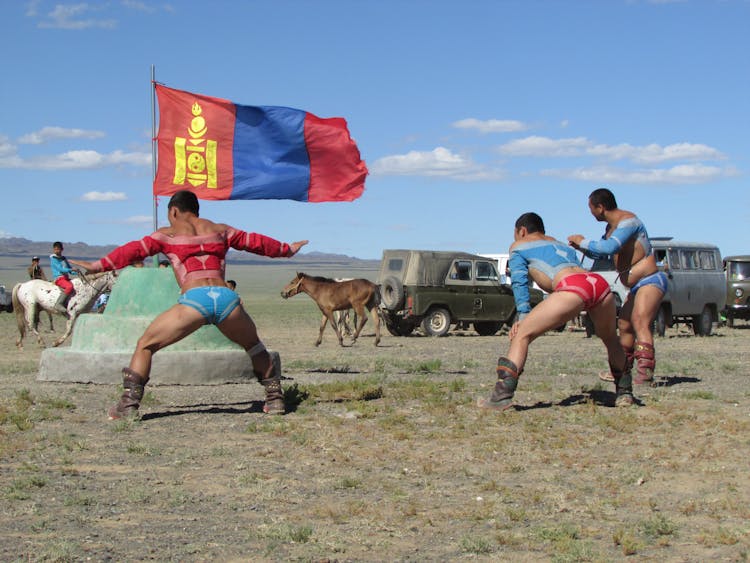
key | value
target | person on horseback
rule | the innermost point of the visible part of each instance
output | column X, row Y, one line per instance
column 196, row 248
column 61, row 272
column 35, row 270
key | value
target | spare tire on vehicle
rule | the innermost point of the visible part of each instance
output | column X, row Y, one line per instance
column 392, row 293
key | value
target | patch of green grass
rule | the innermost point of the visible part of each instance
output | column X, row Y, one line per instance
column 428, row 366
column 476, row 545
column 557, row 534
column 349, row 390
column 272, row 425
column 141, row 449
column 63, row 551
column 720, row 536
column 124, row 425
column 657, row 526
column 627, row 542
column 20, row 488
column 289, row 533
column 708, row 395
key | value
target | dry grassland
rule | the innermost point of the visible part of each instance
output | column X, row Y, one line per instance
column 384, row 457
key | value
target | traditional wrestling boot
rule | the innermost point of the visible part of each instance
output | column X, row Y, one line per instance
column 133, row 384
column 646, row 357
column 505, row 387
column 270, row 380
column 607, row 375
column 61, row 306
column 623, row 387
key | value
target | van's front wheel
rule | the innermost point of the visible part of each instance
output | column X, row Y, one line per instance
column 702, row 323
column 660, row 322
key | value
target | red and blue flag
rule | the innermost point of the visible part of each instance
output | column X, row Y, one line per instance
column 221, row 150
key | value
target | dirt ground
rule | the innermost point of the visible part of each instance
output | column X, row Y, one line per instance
column 385, row 458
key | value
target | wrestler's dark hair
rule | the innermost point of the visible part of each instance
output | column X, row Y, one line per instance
column 56, row 244
column 531, row 221
column 603, row 196
column 185, row 201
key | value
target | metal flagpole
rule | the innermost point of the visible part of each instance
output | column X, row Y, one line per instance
column 153, row 148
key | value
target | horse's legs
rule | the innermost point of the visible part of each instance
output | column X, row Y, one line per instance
column 51, row 326
column 68, row 329
column 376, row 320
column 323, row 322
column 30, row 318
column 328, row 316
column 359, row 310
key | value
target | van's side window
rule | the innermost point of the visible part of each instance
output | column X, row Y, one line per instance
column 688, row 259
column 673, row 258
column 708, row 260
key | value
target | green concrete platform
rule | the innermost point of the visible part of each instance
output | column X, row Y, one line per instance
column 103, row 343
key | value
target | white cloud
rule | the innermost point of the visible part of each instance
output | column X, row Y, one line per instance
column 76, row 160
column 51, row 133
column 491, row 125
column 4, row 234
column 440, row 162
column 73, row 16
column 104, row 196
column 545, row 147
column 681, row 174
column 655, row 154
column 6, row 147
column 536, row 146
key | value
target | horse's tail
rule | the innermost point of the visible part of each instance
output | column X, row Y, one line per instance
column 19, row 310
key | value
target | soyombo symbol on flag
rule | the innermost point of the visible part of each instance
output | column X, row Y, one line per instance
column 221, row 150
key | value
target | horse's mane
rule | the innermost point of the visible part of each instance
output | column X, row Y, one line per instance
column 317, row 278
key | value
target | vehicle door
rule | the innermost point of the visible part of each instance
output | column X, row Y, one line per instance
column 493, row 300
column 711, row 280
column 685, row 290
column 459, row 286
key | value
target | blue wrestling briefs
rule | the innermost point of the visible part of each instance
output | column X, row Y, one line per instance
column 215, row 303
column 659, row 279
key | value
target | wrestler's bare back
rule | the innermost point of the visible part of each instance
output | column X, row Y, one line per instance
column 541, row 279
column 189, row 225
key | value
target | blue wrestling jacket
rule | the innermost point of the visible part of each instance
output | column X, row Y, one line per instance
column 627, row 229
column 59, row 266
column 545, row 256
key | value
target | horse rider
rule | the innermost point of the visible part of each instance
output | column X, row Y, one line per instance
column 196, row 248
column 35, row 270
column 61, row 272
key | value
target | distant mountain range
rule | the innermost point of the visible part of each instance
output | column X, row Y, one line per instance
column 24, row 248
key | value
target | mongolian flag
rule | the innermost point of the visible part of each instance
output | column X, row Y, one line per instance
column 221, row 150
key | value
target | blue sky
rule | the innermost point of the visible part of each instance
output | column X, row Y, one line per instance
column 468, row 114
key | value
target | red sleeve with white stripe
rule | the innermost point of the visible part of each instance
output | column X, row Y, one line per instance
column 257, row 244
column 127, row 254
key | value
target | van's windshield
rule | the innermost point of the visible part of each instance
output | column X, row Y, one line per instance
column 738, row 270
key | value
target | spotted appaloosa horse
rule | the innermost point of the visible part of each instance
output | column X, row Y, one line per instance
column 29, row 296
column 331, row 295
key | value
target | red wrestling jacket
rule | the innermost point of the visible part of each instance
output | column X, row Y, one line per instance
column 193, row 257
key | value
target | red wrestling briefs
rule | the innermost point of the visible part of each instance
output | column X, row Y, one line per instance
column 592, row 288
